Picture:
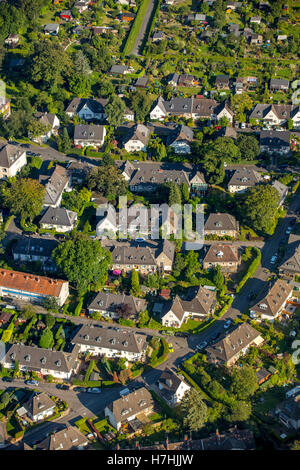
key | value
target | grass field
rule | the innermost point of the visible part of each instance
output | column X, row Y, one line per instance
column 135, row 29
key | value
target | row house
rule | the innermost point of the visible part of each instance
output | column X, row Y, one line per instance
column 225, row 256
column 35, row 249
column 290, row 266
column 114, row 305
column 221, row 225
column 276, row 114
column 275, row 142
column 59, row 364
column 111, row 342
column 55, row 185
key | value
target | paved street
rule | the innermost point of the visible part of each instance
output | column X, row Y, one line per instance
column 143, row 29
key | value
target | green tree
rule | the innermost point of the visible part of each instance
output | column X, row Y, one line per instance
column 249, row 146
column 50, row 321
column 218, row 278
column 64, row 142
column 244, row 382
column 239, row 411
column 46, row 54
column 46, row 339
column 108, row 180
column 25, row 198
column 114, row 110
column 194, row 409
column 135, row 283
column 143, row 319
column 258, row 208
column 185, row 192
column 174, row 194
column 36, row 128
column 219, row 14
column 83, row 261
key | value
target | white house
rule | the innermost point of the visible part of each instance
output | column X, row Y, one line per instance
column 272, row 301
column 52, row 124
column 137, row 139
column 12, row 160
column 172, row 387
column 39, row 407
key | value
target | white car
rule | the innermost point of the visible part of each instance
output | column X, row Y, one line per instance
column 243, row 125
column 201, row 345
column 273, row 259
column 227, row 324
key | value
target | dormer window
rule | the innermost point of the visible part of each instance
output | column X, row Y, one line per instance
column 27, row 358
column 58, row 363
column 43, row 360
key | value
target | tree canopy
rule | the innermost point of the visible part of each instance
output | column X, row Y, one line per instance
column 194, row 409
column 25, row 198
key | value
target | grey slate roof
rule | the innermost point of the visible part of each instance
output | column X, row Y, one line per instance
column 38, row 358
column 9, row 154
column 69, row 438
column 221, row 222
column 291, row 260
column 275, row 138
column 110, row 338
column 34, row 246
column 278, row 83
column 245, row 177
column 55, row 184
column 59, row 216
column 170, row 380
column 111, row 302
column 138, row 132
column 90, row 133
column 95, row 105
column 182, row 133
column 221, row 253
column 38, row 404
column 272, row 297
column 234, row 342
column 282, row 111
column 131, row 404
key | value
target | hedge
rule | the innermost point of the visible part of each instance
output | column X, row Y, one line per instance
column 89, row 370
column 251, row 270
column 135, row 28
column 78, row 307
column 225, row 308
column 194, row 384
column 164, row 355
column 93, row 383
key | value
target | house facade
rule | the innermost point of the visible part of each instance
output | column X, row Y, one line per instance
column 89, row 135
column 12, row 160
column 226, row 256
column 272, row 301
column 112, row 305
column 221, row 224
column 59, row 218
column 172, row 387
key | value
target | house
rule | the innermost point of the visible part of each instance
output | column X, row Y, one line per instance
column 39, row 407
column 277, row 84
column 233, row 439
column 226, row 256
column 180, row 140
column 233, row 5
column 120, row 70
column 32, row 288
column 288, row 412
column 290, row 266
column 81, row 5
column 235, row 344
column 69, row 438
column 137, row 138
column 255, row 20
column 142, row 82
column 128, row 115
column 87, row 108
column 153, row 256
column 111, row 342
column 52, row 124
column 59, row 218
column 129, row 407
column 197, row 17
column 227, row 132
column 12, row 160
column 221, row 225
column 172, row 387
column 276, row 114
column 256, row 39
column 275, row 142
column 86, row 135
column 222, row 82
column 59, row 364
column 51, row 29
column 12, row 40
column 114, row 305
column 272, row 300
column 78, row 171
column 187, row 80
column 5, row 110
column 55, row 185
column 65, row 15
column 181, row 107
column 262, row 375
column 158, row 36
column 5, row 318
column 200, row 303
column 35, row 249
column 282, row 190
column 242, row 179
column 173, row 80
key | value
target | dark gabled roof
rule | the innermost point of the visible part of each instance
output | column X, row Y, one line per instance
column 131, row 404
column 179, row 106
column 9, row 154
column 221, row 222
column 277, row 82
column 220, row 253
column 46, row 118
column 245, row 176
column 88, row 132
column 111, row 303
column 272, row 297
column 291, row 261
column 170, row 380
column 138, row 132
column 110, row 338
column 34, row 246
column 39, row 358
column 182, row 133
column 199, row 301
column 59, row 216
column 291, row 407
column 222, row 79
column 69, row 438
column 275, row 138
column 282, row 111
column 132, row 256
column 119, row 69
column 234, row 342
column 55, row 184
column 95, row 105
column 204, row 107
column 38, row 404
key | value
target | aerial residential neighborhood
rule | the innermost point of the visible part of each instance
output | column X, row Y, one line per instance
column 149, row 226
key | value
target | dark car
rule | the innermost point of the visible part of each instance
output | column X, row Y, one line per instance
column 215, row 336
column 79, row 389
column 7, row 379
column 62, row 387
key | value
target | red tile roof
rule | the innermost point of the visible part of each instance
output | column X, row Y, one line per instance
column 30, row 283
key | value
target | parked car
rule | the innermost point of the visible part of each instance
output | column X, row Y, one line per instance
column 273, row 259
column 227, row 323
column 171, row 349
column 201, row 345
column 7, row 379
column 243, row 125
column 79, row 389
column 94, row 390
column 32, row 382
column 62, row 387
